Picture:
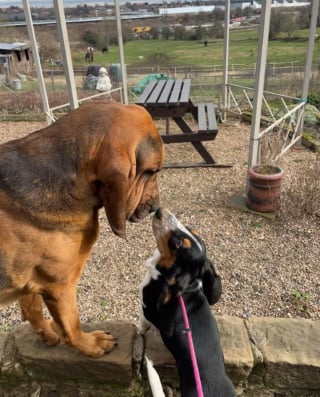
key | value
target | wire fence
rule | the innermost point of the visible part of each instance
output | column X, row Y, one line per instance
column 282, row 78
column 207, row 83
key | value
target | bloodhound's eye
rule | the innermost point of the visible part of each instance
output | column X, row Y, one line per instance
column 150, row 172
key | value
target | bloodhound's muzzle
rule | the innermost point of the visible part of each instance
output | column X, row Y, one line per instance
column 52, row 184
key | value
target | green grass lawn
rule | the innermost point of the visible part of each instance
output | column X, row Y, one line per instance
column 243, row 47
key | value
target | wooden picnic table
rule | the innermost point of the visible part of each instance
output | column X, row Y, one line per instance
column 170, row 99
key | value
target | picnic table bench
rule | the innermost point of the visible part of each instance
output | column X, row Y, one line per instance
column 170, row 99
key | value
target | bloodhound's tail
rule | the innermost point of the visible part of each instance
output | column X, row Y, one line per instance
column 154, row 379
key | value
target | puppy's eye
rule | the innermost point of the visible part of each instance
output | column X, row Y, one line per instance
column 175, row 242
column 179, row 243
column 184, row 243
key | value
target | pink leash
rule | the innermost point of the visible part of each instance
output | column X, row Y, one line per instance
column 191, row 347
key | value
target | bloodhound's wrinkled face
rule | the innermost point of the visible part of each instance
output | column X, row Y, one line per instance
column 182, row 253
column 129, row 189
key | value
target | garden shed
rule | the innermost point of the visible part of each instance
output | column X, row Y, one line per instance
column 15, row 59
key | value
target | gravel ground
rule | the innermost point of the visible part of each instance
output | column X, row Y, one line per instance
column 268, row 267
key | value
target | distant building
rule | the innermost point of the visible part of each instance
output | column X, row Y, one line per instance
column 15, row 59
column 168, row 10
column 164, row 11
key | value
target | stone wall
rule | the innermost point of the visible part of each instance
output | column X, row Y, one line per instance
column 264, row 357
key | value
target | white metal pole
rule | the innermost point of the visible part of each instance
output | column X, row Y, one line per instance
column 36, row 58
column 308, row 64
column 120, row 43
column 312, row 36
column 226, row 59
column 65, row 53
column 259, row 82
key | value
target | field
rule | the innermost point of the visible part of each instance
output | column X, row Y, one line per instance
column 203, row 63
column 242, row 51
column 243, row 45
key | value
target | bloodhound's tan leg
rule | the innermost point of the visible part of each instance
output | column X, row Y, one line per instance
column 64, row 310
column 31, row 309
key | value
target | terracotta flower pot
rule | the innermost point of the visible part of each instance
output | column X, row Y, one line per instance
column 264, row 188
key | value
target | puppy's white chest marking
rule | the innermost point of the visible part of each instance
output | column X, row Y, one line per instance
column 152, row 272
column 151, row 264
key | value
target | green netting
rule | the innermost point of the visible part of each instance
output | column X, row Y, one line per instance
column 141, row 85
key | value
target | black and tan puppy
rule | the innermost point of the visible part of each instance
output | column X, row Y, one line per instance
column 53, row 183
column 180, row 266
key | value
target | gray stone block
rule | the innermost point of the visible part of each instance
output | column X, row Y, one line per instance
column 3, row 340
column 162, row 359
column 65, row 364
column 236, row 347
column 291, row 351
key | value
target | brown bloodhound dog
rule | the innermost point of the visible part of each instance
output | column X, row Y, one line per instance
column 52, row 184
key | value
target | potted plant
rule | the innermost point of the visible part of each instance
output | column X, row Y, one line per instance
column 264, row 187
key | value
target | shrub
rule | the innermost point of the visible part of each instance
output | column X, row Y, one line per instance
column 301, row 194
column 30, row 102
column 314, row 99
column 90, row 38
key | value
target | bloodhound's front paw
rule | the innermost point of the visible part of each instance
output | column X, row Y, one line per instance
column 95, row 344
column 49, row 333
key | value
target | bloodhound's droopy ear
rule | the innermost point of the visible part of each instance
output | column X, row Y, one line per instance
column 113, row 191
column 116, row 205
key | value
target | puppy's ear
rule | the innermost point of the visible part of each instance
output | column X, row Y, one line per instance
column 211, row 282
